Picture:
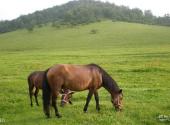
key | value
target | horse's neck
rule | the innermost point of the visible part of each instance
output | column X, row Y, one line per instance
column 109, row 84
column 110, row 88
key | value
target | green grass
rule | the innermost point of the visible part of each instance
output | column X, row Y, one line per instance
column 136, row 56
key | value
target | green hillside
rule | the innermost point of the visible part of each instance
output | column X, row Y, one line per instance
column 137, row 56
column 109, row 35
column 78, row 12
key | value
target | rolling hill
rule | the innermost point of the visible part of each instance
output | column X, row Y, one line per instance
column 83, row 12
column 137, row 56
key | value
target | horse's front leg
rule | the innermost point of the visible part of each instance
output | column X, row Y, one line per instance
column 54, row 98
column 70, row 102
column 97, row 100
column 88, row 100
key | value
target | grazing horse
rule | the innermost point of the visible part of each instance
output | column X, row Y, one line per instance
column 78, row 78
column 35, row 81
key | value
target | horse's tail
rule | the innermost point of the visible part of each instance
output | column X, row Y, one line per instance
column 30, row 87
column 29, row 83
column 46, row 94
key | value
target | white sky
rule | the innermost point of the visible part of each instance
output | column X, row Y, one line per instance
column 10, row 9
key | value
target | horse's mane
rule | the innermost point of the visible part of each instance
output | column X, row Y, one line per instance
column 108, row 82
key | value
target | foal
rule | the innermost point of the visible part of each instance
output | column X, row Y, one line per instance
column 35, row 80
column 78, row 78
column 66, row 97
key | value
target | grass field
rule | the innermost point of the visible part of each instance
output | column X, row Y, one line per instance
column 137, row 56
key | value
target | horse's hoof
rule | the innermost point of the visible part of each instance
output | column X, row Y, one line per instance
column 61, row 105
column 47, row 115
column 98, row 109
column 85, row 111
column 58, row 116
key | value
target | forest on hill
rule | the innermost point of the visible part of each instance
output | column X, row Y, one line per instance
column 83, row 12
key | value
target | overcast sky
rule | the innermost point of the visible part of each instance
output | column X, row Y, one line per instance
column 10, row 9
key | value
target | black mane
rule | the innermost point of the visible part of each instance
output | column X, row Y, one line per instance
column 108, row 82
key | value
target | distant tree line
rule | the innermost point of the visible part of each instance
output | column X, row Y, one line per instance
column 83, row 12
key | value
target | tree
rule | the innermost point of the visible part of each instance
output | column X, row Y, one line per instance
column 82, row 12
column 30, row 28
column 148, row 16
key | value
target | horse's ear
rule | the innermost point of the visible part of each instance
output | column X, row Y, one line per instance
column 120, row 91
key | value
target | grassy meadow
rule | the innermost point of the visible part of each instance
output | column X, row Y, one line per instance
column 137, row 56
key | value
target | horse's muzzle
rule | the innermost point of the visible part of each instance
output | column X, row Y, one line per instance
column 118, row 109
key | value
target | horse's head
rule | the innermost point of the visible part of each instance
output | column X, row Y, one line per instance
column 117, row 100
column 66, row 97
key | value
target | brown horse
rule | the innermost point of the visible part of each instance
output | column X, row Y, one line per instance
column 78, row 78
column 35, row 81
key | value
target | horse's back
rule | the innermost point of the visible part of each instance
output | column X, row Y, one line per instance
column 36, row 78
column 68, row 70
column 74, row 77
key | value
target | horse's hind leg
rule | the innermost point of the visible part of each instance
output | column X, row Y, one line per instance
column 54, row 97
column 88, row 100
column 36, row 94
column 31, row 93
column 97, row 100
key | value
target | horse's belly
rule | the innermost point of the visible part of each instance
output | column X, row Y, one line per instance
column 77, row 85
